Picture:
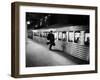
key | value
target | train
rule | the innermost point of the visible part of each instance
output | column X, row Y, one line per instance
column 73, row 40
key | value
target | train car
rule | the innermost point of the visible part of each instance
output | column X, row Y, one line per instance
column 73, row 40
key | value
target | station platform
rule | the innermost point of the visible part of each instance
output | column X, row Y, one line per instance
column 40, row 55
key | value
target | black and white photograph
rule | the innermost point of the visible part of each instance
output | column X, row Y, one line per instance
column 57, row 39
column 51, row 39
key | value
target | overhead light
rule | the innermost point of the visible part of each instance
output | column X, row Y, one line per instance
column 28, row 22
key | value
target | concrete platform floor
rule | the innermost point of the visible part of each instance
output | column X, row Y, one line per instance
column 40, row 55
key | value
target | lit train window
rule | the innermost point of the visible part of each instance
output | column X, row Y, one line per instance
column 37, row 33
column 76, row 36
column 59, row 35
column 87, row 39
column 44, row 34
column 56, row 35
column 34, row 34
column 64, row 37
column 40, row 34
column 70, row 36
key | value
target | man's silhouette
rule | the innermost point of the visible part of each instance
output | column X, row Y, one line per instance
column 51, row 39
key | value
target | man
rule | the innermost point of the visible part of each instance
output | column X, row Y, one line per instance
column 51, row 39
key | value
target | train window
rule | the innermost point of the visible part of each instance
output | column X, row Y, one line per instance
column 40, row 35
column 34, row 33
column 44, row 34
column 76, row 36
column 87, row 38
column 56, row 35
column 59, row 35
column 64, row 35
column 37, row 33
column 70, row 36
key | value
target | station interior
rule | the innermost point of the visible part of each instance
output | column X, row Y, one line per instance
column 71, row 33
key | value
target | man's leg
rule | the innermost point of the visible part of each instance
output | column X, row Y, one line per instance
column 50, row 47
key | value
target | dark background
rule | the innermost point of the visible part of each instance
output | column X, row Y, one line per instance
column 55, row 19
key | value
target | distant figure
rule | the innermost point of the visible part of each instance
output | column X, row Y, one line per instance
column 51, row 39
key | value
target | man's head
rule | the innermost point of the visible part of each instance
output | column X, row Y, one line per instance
column 51, row 31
